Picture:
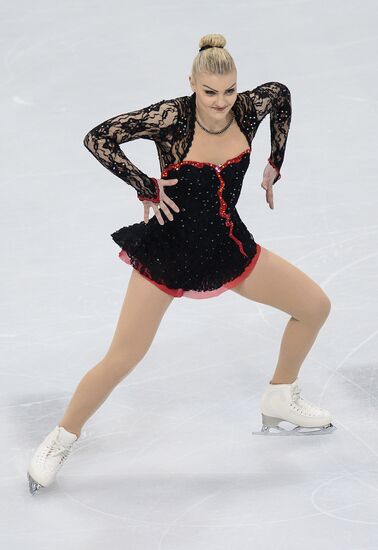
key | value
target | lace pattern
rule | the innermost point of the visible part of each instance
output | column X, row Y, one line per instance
column 170, row 124
column 152, row 122
column 273, row 98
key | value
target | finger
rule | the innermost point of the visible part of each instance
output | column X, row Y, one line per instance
column 157, row 214
column 166, row 211
column 170, row 182
column 171, row 203
column 146, row 212
column 270, row 197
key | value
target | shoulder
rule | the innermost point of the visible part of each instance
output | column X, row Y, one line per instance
column 178, row 104
column 170, row 111
column 243, row 104
column 266, row 90
column 263, row 96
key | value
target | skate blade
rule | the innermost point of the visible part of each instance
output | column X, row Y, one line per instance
column 34, row 486
column 297, row 430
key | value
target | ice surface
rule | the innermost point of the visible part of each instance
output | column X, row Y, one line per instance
column 168, row 462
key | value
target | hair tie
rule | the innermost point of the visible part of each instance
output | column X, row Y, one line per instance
column 204, row 47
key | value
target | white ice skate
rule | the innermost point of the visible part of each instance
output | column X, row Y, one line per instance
column 282, row 403
column 49, row 458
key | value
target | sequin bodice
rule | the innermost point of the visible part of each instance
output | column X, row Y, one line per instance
column 171, row 123
column 207, row 194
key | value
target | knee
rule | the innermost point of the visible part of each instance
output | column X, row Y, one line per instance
column 120, row 363
column 324, row 306
column 319, row 308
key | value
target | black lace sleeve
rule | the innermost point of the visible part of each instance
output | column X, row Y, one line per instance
column 274, row 98
column 153, row 122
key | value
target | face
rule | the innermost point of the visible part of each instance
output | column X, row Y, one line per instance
column 215, row 94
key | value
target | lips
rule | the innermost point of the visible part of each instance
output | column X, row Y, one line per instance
column 219, row 109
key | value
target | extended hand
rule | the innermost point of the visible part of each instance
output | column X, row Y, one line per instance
column 269, row 176
column 162, row 206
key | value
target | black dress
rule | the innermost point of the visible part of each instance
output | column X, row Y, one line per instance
column 206, row 249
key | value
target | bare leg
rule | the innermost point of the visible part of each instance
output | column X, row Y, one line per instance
column 142, row 311
column 278, row 283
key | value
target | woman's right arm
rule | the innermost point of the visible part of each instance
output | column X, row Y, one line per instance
column 104, row 140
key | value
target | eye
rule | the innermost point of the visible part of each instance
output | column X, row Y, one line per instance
column 209, row 92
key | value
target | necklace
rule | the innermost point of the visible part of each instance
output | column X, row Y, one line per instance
column 219, row 131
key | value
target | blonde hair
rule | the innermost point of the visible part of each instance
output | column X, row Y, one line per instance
column 214, row 60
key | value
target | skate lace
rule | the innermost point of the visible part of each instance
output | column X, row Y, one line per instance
column 306, row 406
column 55, row 449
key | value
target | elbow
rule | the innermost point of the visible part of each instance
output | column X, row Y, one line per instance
column 285, row 91
column 88, row 141
column 284, row 98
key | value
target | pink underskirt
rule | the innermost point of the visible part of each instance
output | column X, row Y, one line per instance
column 178, row 292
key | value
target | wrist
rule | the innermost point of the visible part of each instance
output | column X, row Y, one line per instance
column 276, row 168
column 155, row 199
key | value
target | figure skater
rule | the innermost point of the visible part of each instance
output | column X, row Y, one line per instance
column 196, row 245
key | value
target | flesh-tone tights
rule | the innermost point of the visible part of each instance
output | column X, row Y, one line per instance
column 273, row 281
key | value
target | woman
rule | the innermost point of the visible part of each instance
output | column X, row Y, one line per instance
column 203, row 249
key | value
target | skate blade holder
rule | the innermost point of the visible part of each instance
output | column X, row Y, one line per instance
column 34, row 486
column 272, row 426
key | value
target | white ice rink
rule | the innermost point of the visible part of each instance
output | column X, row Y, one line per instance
column 168, row 462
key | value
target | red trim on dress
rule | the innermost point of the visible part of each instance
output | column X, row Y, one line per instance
column 196, row 294
column 202, row 164
column 222, row 211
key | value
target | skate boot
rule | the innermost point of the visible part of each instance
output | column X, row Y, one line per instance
column 49, row 458
column 282, row 403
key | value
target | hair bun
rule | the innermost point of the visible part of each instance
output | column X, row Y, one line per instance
column 212, row 41
column 214, row 61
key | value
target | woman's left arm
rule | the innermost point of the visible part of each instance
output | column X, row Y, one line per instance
column 274, row 98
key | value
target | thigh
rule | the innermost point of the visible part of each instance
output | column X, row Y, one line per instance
column 278, row 283
column 141, row 313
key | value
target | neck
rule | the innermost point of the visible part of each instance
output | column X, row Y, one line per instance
column 211, row 123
